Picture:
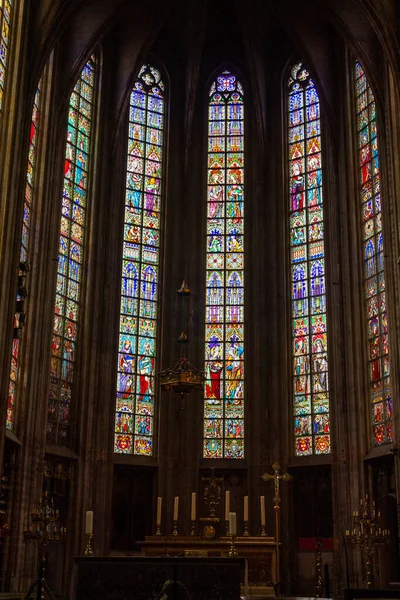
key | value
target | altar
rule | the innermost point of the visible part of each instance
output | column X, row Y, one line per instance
column 153, row 578
column 259, row 552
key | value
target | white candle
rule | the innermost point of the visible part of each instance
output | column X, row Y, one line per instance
column 262, row 505
column 227, row 504
column 232, row 523
column 246, row 508
column 89, row 522
column 193, row 511
column 176, row 505
column 159, row 506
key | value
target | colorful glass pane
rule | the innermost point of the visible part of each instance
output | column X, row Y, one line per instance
column 224, row 336
column 373, row 260
column 33, row 140
column 134, row 420
column 308, row 288
column 6, row 7
column 70, row 255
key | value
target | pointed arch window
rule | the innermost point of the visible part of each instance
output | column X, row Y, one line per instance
column 23, row 257
column 374, row 268
column 307, row 258
column 134, row 416
column 6, row 7
column 71, row 254
column 224, row 335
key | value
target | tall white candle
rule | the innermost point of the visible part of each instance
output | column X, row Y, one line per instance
column 89, row 522
column 262, row 506
column 176, row 505
column 193, row 511
column 159, row 506
column 246, row 508
column 232, row 523
column 227, row 504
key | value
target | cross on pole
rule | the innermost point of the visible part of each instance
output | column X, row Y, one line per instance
column 277, row 477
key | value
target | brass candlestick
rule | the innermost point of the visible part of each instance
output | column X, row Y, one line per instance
column 246, row 529
column 193, row 528
column 263, row 530
column 158, row 530
column 367, row 534
column 227, row 526
column 175, row 530
column 88, row 546
column 232, row 552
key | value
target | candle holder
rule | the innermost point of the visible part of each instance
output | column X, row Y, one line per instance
column 227, row 526
column 158, row 530
column 193, row 528
column 175, row 530
column 366, row 534
column 263, row 531
column 246, row 529
column 88, row 546
column 232, row 552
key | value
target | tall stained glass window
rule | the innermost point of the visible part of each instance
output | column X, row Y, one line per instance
column 23, row 257
column 307, row 257
column 70, row 254
column 134, row 416
column 374, row 272
column 224, row 336
column 5, row 20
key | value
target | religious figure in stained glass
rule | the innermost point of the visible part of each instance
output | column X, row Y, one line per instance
column 309, row 326
column 140, row 268
column 70, row 255
column 374, row 272
column 224, row 344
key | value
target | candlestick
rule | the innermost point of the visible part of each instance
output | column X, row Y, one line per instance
column 193, row 511
column 227, row 504
column 246, row 529
column 227, row 526
column 232, row 552
column 193, row 528
column 175, row 530
column 89, row 522
column 88, row 546
column 176, row 506
column 232, row 523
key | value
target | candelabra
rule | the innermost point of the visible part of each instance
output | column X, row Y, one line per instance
column 45, row 528
column 367, row 534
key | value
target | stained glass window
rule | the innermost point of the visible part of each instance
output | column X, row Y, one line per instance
column 70, row 255
column 23, row 257
column 224, row 335
column 5, row 19
column 374, row 273
column 307, row 257
column 134, row 418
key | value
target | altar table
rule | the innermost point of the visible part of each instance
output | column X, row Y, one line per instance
column 148, row 578
column 260, row 552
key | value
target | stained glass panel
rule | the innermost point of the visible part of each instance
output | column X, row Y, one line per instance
column 70, row 255
column 308, row 290
column 23, row 257
column 224, row 352
column 6, row 7
column 373, row 261
column 134, row 420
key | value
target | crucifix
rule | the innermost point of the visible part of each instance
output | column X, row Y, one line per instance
column 276, row 476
